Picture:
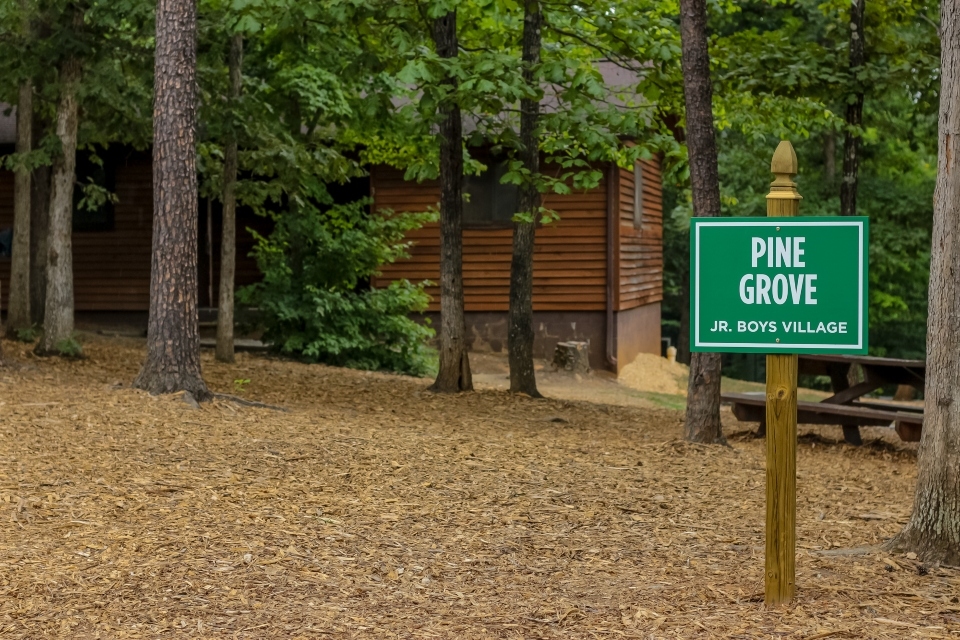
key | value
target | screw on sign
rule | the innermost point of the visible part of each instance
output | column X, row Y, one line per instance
column 780, row 285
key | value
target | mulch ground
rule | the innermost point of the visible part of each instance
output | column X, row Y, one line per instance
column 374, row 509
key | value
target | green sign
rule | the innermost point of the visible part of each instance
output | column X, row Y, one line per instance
column 779, row 285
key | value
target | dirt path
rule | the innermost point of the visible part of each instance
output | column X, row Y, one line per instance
column 491, row 372
column 374, row 509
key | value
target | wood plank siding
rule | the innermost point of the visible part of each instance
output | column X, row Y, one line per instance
column 111, row 269
column 570, row 261
column 639, row 255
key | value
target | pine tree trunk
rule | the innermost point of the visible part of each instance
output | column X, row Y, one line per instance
column 523, row 378
column 39, row 229
column 58, row 312
column 933, row 531
column 18, row 305
column 703, row 392
column 454, row 374
column 851, row 141
column 228, row 244
column 173, row 332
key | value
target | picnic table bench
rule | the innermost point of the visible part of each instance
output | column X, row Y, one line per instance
column 846, row 406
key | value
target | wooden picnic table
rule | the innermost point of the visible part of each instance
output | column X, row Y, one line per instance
column 846, row 406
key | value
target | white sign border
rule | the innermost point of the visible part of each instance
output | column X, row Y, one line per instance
column 778, row 346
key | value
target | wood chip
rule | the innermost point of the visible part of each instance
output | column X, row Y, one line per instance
column 373, row 509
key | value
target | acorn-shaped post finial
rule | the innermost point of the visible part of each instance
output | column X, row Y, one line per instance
column 784, row 167
column 784, row 159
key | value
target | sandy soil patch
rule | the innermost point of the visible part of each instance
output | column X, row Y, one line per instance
column 652, row 373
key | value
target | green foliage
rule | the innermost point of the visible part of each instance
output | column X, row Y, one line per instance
column 316, row 299
column 114, row 43
column 586, row 121
column 240, row 384
column 94, row 196
column 69, row 348
column 676, row 258
column 333, row 86
column 28, row 334
column 781, row 70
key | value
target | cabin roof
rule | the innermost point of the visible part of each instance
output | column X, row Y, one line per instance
column 620, row 82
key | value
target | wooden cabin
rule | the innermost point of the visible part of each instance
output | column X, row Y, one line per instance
column 112, row 245
column 598, row 271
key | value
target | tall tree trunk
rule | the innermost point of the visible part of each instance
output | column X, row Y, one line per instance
column 228, row 244
column 933, row 531
column 523, row 378
column 18, row 306
column 683, row 339
column 829, row 158
column 703, row 391
column 851, row 141
column 454, row 374
column 58, row 314
column 18, row 303
column 209, row 243
column 39, row 230
column 173, row 331
column 1, row 333
column 851, row 146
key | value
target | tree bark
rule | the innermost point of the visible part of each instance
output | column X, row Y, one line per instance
column 523, row 378
column 39, row 229
column 454, row 373
column 703, row 392
column 228, row 244
column 829, row 158
column 683, row 338
column 209, row 243
column 58, row 312
column 173, row 332
column 1, row 333
column 18, row 304
column 933, row 531
column 851, row 140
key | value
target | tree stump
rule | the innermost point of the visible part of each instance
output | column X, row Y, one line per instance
column 572, row 356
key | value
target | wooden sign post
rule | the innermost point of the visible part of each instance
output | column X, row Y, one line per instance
column 781, row 286
column 780, row 576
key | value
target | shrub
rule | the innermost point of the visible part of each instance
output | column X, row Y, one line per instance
column 69, row 348
column 316, row 302
column 28, row 334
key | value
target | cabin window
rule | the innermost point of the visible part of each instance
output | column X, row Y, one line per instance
column 488, row 201
column 637, row 195
column 6, row 243
column 93, row 193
